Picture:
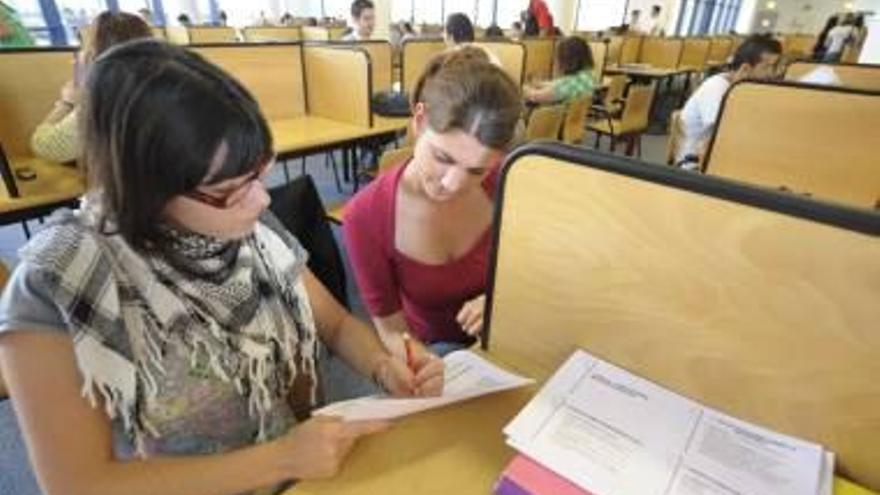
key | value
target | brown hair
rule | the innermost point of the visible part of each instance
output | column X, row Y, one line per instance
column 113, row 28
column 462, row 90
column 573, row 55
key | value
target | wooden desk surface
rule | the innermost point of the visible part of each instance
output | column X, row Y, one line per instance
column 648, row 72
column 456, row 450
column 53, row 183
column 308, row 133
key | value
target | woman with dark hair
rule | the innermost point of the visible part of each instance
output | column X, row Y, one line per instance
column 458, row 29
column 574, row 64
column 176, row 306
column 57, row 137
column 419, row 236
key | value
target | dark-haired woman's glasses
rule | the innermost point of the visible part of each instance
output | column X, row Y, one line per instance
column 235, row 196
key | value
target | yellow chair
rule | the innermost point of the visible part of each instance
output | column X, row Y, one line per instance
column 545, row 122
column 575, row 127
column 388, row 160
column 633, row 120
column 615, row 87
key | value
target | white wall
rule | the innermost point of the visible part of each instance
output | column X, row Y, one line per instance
column 798, row 16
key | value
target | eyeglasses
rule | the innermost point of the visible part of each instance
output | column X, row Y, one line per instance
column 238, row 194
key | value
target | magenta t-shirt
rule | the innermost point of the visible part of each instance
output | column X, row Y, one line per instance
column 429, row 295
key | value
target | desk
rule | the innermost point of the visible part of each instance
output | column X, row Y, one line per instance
column 651, row 74
column 55, row 185
column 456, row 450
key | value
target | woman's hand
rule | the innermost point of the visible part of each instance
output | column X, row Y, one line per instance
column 470, row 317
column 425, row 379
column 316, row 448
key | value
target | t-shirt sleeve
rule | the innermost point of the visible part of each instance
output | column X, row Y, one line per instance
column 27, row 305
column 710, row 104
column 366, row 237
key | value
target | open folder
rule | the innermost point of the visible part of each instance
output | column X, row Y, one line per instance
column 467, row 376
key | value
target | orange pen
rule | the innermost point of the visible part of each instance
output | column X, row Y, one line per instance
column 410, row 355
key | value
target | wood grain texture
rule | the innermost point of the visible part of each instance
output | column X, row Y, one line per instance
column 600, row 59
column 764, row 316
column 416, row 55
column 630, row 49
column 273, row 74
column 337, row 79
column 511, row 55
column 808, row 140
column 694, row 54
column 315, row 33
column 380, row 63
column 264, row 34
column 539, row 58
column 199, row 35
column 720, row 48
column 663, row 53
column 30, row 86
column 852, row 76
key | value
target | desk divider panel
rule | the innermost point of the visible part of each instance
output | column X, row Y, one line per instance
column 754, row 302
column 600, row 60
column 273, row 73
column 808, row 139
column 205, row 35
column 856, row 76
column 663, row 53
column 416, row 55
column 338, row 83
column 720, row 48
column 380, row 61
column 540, row 56
column 271, row 34
column 511, row 54
column 630, row 49
column 32, row 81
column 695, row 54
column 315, row 33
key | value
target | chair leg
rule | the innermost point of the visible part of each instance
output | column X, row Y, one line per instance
column 598, row 141
column 27, row 230
column 329, row 158
column 302, row 166
column 630, row 145
column 639, row 145
column 286, row 172
column 613, row 142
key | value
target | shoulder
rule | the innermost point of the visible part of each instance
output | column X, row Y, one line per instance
column 376, row 199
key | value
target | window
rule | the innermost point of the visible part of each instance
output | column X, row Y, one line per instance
column 707, row 17
column 428, row 12
column 338, row 9
column 599, row 15
column 32, row 17
column 466, row 7
column 401, row 10
column 508, row 12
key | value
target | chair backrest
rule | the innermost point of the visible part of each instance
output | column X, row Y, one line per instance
column 630, row 49
column 205, row 35
column 664, row 53
column 315, row 33
column 380, row 62
column 616, row 89
column 511, row 54
column 545, row 122
column 273, row 73
column 599, row 51
column 615, row 47
column 720, row 49
column 637, row 109
column 808, row 139
column 30, row 85
column 674, row 140
column 179, row 35
column 259, row 34
column 574, row 129
column 540, row 53
column 416, row 55
column 751, row 301
column 858, row 76
column 694, row 54
column 797, row 46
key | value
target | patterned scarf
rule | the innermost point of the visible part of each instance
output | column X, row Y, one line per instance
column 239, row 308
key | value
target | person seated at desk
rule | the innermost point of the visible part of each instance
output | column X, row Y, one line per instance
column 56, row 138
column 174, row 305
column 363, row 18
column 459, row 31
column 419, row 236
column 756, row 58
column 574, row 61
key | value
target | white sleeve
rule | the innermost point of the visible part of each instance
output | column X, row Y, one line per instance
column 710, row 105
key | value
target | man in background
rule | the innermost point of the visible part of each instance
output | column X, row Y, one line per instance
column 363, row 18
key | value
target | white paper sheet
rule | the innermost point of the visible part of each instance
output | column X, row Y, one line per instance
column 614, row 433
column 467, row 376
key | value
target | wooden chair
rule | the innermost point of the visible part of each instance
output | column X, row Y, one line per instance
column 661, row 53
column 806, row 139
column 540, row 53
column 599, row 51
column 271, row 34
column 720, row 49
column 574, row 129
column 33, row 187
column 630, row 49
column 674, row 141
column 633, row 120
column 416, row 54
column 856, row 76
column 746, row 300
column 612, row 101
column 545, row 122
column 694, row 54
column 511, row 54
column 389, row 159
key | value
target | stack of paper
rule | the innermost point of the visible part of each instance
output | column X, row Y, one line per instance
column 467, row 376
column 606, row 431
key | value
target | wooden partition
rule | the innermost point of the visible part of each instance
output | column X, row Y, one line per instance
column 178, row 35
column 720, row 49
column 694, row 54
column 615, row 48
column 540, row 55
column 322, row 33
column 751, row 301
column 344, row 99
column 511, row 54
column 381, row 68
column 798, row 46
column 271, row 34
column 158, row 33
column 600, row 59
column 664, row 53
column 856, row 76
column 807, row 139
column 416, row 55
column 630, row 49
column 205, row 35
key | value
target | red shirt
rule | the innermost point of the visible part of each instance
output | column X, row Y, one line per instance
column 389, row 281
column 542, row 15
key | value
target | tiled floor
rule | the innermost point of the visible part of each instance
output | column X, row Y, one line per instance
column 15, row 474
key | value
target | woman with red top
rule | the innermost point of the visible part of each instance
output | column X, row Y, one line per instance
column 419, row 236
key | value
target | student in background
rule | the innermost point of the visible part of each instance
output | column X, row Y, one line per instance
column 419, row 236
column 544, row 19
column 494, row 32
column 363, row 18
column 57, row 137
column 574, row 64
column 819, row 48
column 458, row 29
column 652, row 25
column 184, row 20
column 756, row 58
column 12, row 31
column 838, row 38
column 173, row 304
column 516, row 30
column 634, row 18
